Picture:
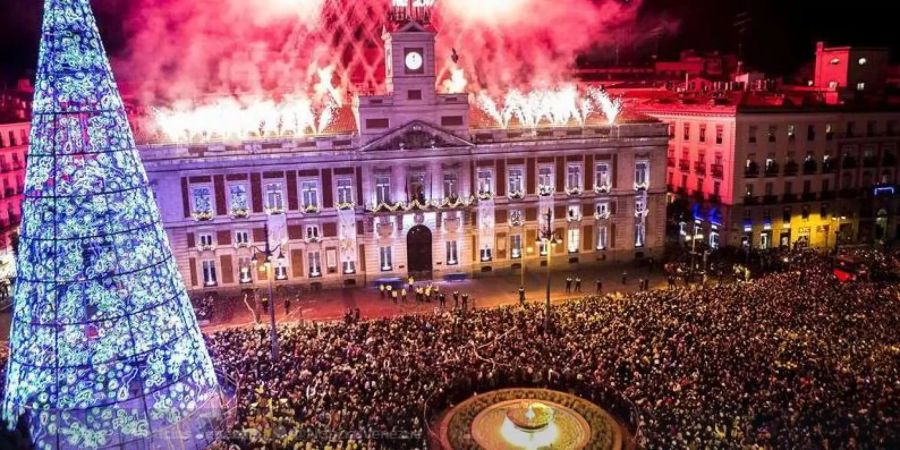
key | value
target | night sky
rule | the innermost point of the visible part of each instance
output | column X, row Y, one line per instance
column 780, row 37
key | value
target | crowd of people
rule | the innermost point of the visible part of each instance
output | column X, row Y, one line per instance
column 789, row 360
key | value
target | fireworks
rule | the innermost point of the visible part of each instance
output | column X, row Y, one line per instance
column 562, row 106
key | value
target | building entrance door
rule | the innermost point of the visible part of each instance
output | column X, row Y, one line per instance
column 418, row 252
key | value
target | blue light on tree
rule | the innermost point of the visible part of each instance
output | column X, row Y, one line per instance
column 105, row 350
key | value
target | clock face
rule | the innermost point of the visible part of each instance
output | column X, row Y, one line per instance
column 414, row 61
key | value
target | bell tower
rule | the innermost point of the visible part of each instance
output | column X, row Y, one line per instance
column 410, row 59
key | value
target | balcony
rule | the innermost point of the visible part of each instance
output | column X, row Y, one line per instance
column 826, row 195
column 697, row 195
column 9, row 192
column 670, row 161
column 5, row 168
column 684, row 165
column 849, row 193
column 681, row 191
column 770, row 199
column 700, row 167
column 789, row 198
column 714, row 198
column 791, row 169
column 772, row 170
column 828, row 166
column 848, row 162
column 750, row 200
column 888, row 160
column 751, row 171
column 717, row 170
column 809, row 167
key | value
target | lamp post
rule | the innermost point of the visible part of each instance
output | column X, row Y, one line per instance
column 269, row 252
column 546, row 239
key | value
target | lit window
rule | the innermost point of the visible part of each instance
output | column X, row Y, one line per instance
column 486, row 254
column 450, row 185
column 602, row 236
column 209, row 273
column 202, row 201
column 349, row 266
column 515, row 182
column 574, row 239
column 274, row 198
column 312, row 232
column 315, row 264
column 835, row 61
column 862, row 61
column 382, row 190
column 860, row 86
column 452, row 254
column 310, row 193
column 573, row 178
column 602, row 210
column 238, row 201
column 485, row 183
column 280, row 271
column 386, row 263
column 244, row 265
column 241, row 238
column 344, row 191
column 206, row 240
column 604, row 177
column 641, row 174
column 515, row 244
column 545, row 180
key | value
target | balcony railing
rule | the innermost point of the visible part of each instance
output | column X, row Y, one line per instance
column 751, row 171
column 714, row 198
column 772, row 170
column 789, row 198
column 750, row 200
column 791, row 169
column 700, row 167
column 849, row 193
column 684, row 165
column 717, row 170
column 809, row 167
column 826, row 195
column 828, row 166
column 670, row 161
column 697, row 195
column 808, row 196
column 848, row 162
column 681, row 191
column 770, row 199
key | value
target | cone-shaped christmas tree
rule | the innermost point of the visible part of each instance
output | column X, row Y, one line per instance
column 105, row 350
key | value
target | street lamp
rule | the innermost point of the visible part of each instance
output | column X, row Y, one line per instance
column 547, row 240
column 269, row 252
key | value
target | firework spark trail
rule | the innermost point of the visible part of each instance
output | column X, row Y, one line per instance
column 549, row 107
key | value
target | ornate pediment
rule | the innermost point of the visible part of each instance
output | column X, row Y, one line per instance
column 416, row 135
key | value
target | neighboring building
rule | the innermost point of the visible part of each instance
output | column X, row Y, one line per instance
column 778, row 176
column 411, row 183
column 849, row 72
column 13, row 150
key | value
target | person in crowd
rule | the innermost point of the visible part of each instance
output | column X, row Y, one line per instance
column 578, row 284
column 599, row 286
column 569, row 284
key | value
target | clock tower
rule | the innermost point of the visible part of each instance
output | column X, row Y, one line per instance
column 410, row 71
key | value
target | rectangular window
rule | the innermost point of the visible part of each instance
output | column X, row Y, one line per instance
column 375, row 124
column 602, row 210
column 810, row 132
column 386, row 261
column 202, row 201
column 311, row 231
column 602, row 237
column 823, row 210
column 485, row 182
column 382, row 190
column 243, row 263
column 209, row 273
column 773, row 129
column 238, row 200
column 280, row 271
column 671, row 131
column 686, row 132
column 344, row 191
column 450, row 183
column 452, row 253
column 574, row 240
column 349, row 266
column 515, row 182
column 603, row 179
column 573, row 178
column 206, row 240
column 641, row 174
column 315, row 264
column 748, row 190
column 804, row 212
column 573, row 212
column 829, row 132
column 486, row 253
column 786, row 214
column 720, row 133
column 702, row 133
column 545, row 180
column 274, row 198
column 515, row 245
column 451, row 121
column 309, row 191
column 791, row 133
column 716, row 187
column 414, row 94
column 751, row 134
column 870, row 128
column 241, row 238
column 416, row 188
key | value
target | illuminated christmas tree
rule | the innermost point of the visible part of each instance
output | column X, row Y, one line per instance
column 105, row 350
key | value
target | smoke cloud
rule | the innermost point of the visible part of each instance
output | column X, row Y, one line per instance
column 185, row 50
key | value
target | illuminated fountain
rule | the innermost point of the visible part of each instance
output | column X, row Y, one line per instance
column 530, row 425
